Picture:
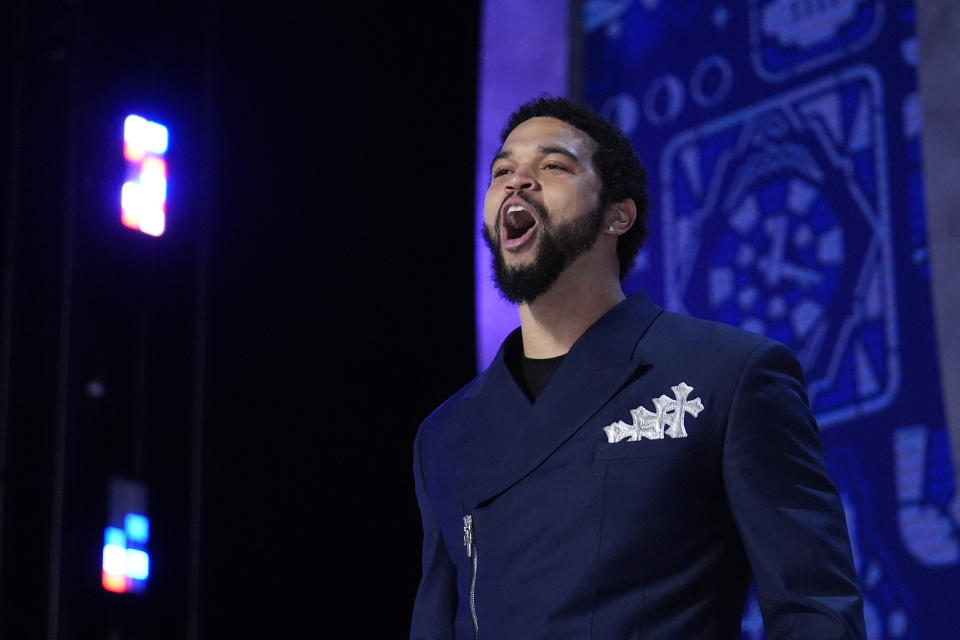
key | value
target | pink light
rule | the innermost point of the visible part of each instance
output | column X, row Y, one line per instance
column 153, row 168
column 132, row 152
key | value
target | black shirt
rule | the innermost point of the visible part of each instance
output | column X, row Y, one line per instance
column 535, row 373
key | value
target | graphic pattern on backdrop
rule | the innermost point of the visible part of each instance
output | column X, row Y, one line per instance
column 756, row 220
column 784, row 140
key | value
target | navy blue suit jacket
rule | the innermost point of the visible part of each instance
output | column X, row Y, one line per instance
column 575, row 536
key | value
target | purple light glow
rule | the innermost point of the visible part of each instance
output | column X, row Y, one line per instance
column 524, row 52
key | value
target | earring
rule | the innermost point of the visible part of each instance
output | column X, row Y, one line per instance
column 611, row 228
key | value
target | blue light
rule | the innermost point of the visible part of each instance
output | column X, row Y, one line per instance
column 138, row 564
column 114, row 537
column 137, row 527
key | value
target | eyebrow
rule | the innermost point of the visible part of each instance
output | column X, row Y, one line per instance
column 564, row 152
column 545, row 151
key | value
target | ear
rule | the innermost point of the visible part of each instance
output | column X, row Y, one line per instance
column 619, row 217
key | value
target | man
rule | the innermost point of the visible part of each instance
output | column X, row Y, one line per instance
column 618, row 471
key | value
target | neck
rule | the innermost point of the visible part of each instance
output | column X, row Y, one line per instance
column 554, row 321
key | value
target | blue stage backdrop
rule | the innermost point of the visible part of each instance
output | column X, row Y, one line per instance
column 783, row 139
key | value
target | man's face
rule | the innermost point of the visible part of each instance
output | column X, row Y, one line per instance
column 542, row 209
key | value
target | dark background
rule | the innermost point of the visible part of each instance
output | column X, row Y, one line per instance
column 309, row 304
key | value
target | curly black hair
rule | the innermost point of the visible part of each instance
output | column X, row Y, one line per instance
column 620, row 171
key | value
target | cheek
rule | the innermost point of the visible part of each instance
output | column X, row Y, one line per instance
column 491, row 204
column 589, row 199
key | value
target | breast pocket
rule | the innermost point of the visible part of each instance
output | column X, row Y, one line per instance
column 669, row 448
column 647, row 463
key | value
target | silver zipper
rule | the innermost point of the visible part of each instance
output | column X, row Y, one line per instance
column 471, row 546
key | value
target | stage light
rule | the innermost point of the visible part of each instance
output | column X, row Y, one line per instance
column 137, row 528
column 114, row 559
column 153, row 179
column 126, row 562
column 114, row 582
column 144, row 193
column 115, row 537
column 145, row 136
column 138, row 564
column 133, row 139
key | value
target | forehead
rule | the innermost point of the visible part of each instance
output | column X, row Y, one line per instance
column 550, row 132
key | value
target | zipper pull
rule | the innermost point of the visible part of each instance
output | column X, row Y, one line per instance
column 468, row 534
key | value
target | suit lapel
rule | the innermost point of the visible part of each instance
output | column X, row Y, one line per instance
column 493, row 411
column 520, row 435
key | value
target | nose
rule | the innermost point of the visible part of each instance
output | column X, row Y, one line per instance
column 522, row 179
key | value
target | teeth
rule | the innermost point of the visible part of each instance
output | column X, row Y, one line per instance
column 515, row 207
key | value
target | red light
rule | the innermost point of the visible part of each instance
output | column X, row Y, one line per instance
column 116, row 583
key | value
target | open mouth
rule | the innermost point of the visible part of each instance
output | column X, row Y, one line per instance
column 517, row 221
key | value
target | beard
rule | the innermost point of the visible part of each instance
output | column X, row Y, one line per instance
column 559, row 246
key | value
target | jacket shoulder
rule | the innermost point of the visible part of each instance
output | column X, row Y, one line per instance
column 443, row 414
column 715, row 338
